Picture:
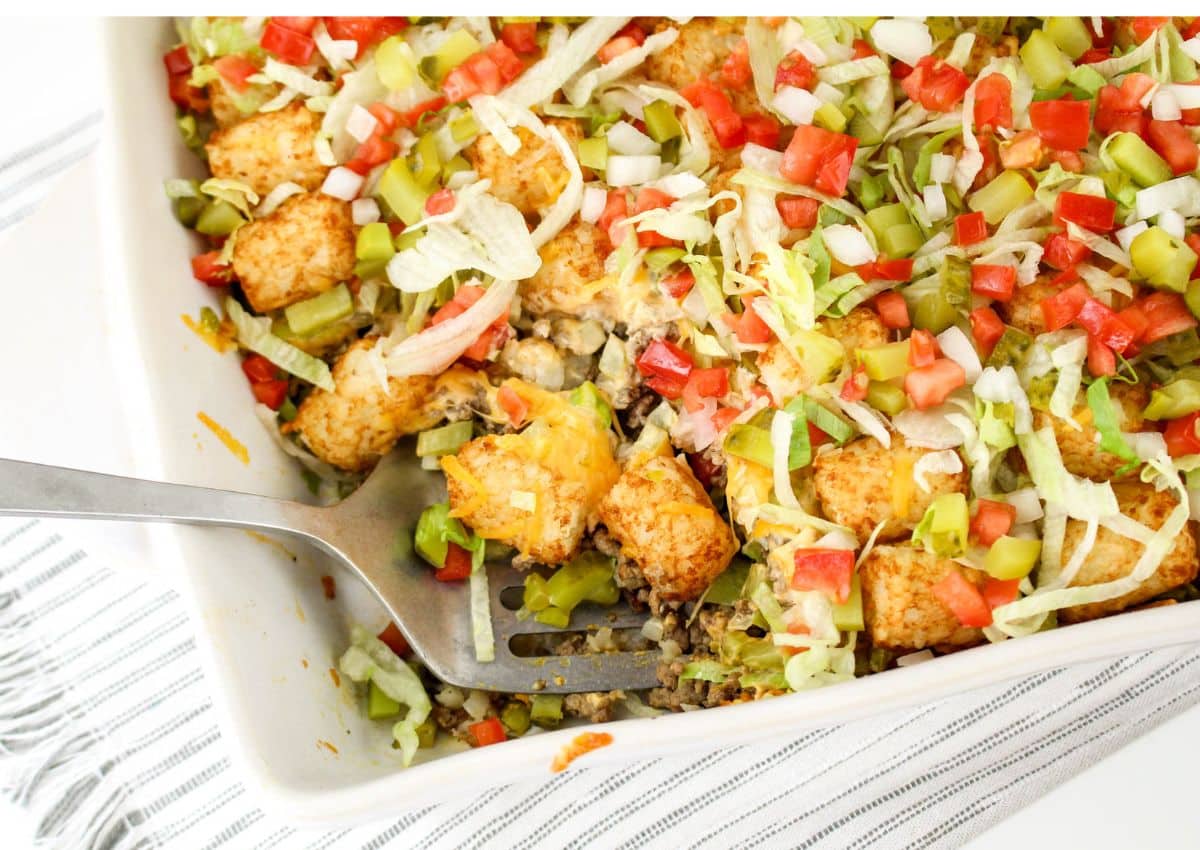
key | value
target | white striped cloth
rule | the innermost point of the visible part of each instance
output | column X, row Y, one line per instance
column 107, row 733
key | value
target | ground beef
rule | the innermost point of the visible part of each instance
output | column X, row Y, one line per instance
column 628, row 574
column 594, row 707
column 642, row 401
column 674, row 694
column 449, row 719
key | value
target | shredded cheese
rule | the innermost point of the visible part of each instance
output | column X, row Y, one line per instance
column 902, row 484
column 684, row 508
column 230, row 442
column 453, row 467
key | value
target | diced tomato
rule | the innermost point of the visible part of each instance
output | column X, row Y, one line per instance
column 1088, row 211
column 997, row 592
column 1060, row 309
column 1068, row 275
column 207, row 269
column 615, row 47
column 726, row 124
column 1192, row 29
column 993, row 102
column 748, row 327
column 177, row 61
column 441, row 201
column 490, row 731
column 724, row 417
column 762, row 130
column 1100, row 321
column 1143, row 28
column 856, row 386
column 992, row 521
column 457, row 566
column 884, row 269
column 997, row 282
column 922, row 348
column 456, row 306
column 862, row 49
column 1120, row 109
column 491, row 339
column 900, row 70
column 1069, row 160
column 234, row 70
column 616, row 210
column 394, row 639
column 292, row 47
column 1062, row 124
column 969, row 228
column 929, row 385
column 987, row 328
column 486, row 72
column 634, row 31
column 1135, row 317
column 1062, row 252
column 461, row 83
column 735, row 71
column 702, row 384
column 665, row 360
column 376, row 150
column 795, row 70
column 798, row 213
column 364, row 30
column 893, row 309
column 1100, row 358
column 521, row 37
column 819, row 158
column 1174, row 143
column 304, row 26
column 270, row 393
column 963, row 599
column 184, row 95
column 936, row 84
column 1181, row 436
column 413, row 116
column 514, row 407
column 506, row 60
column 258, row 369
column 1166, row 314
column 652, row 199
column 666, row 387
column 679, row 284
column 828, row 570
column 1024, row 150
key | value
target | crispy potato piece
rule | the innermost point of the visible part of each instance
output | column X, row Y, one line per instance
column 1024, row 311
column 1114, row 556
column 301, row 249
column 860, row 328
column 862, row 483
column 269, row 148
column 1081, row 452
column 784, row 373
column 899, row 609
column 357, row 423
column 700, row 50
column 531, row 178
column 665, row 521
column 571, row 263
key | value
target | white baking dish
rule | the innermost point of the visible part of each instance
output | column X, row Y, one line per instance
column 270, row 638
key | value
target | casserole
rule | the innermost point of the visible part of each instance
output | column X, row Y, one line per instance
column 270, row 638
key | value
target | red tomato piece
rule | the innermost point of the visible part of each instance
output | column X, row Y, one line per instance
column 884, row 269
column 987, row 328
column 1192, row 29
column 963, row 599
column 616, row 210
column 827, row 570
column 514, row 407
column 936, row 84
column 679, row 284
column 184, row 95
column 1143, row 28
column 376, row 150
column 634, row 31
column 1181, row 436
column 258, row 369
column 207, row 269
column 652, row 199
column 461, row 84
column 486, row 72
column 615, row 47
column 795, row 70
column 234, row 70
column 490, row 731
column 748, row 326
column 177, row 61
column 724, row 417
column 270, row 393
column 1100, row 358
column 1088, row 211
column 900, row 70
column 969, row 228
column 394, row 639
column 922, row 348
column 929, row 385
column 413, row 116
column 521, row 37
column 993, row 102
column 304, row 26
column 1135, row 317
column 999, row 282
column 735, row 71
column 292, row 47
column 1061, row 124
column 1120, row 109
column 457, row 566
column 1060, row 309
column 1062, row 252
column 819, row 158
column 705, row 383
column 1166, row 314
column 441, row 201
column 664, row 359
column 798, row 213
column 1172, row 141
column 506, row 60
column 992, row 521
column 863, row 49
column 1193, row 242
column 364, row 30
column 762, row 130
column 666, row 387
column 997, row 592
column 855, row 387
column 893, row 309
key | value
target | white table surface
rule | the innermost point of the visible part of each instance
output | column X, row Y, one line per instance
column 1141, row 796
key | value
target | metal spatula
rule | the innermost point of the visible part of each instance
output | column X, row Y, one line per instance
column 370, row 533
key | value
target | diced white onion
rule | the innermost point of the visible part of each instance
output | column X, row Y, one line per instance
column 594, row 201
column 906, row 40
column 867, row 419
column 828, row 93
column 1146, row 444
column 624, row 138
column 848, row 245
column 342, row 183
column 781, row 440
column 1188, row 97
column 1125, row 235
column 946, row 461
column 928, row 429
column 935, row 201
column 1027, row 504
column 762, row 159
column 360, row 124
column 1164, row 106
column 477, row 704
column 914, row 658
column 839, row 538
column 796, row 104
column 957, row 347
column 941, row 168
column 632, row 170
column 1192, row 47
column 680, row 185
column 1172, row 222
column 1181, row 193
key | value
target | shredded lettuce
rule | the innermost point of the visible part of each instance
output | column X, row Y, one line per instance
column 547, row 76
column 254, row 333
column 580, row 89
column 1104, row 418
